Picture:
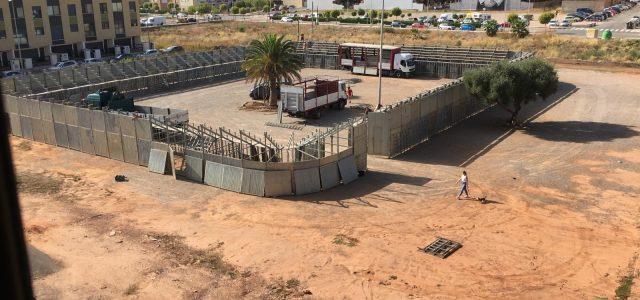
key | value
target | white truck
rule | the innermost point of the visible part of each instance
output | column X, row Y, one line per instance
column 155, row 21
column 308, row 97
column 363, row 59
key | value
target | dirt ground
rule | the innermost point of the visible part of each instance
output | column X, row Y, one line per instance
column 222, row 105
column 562, row 222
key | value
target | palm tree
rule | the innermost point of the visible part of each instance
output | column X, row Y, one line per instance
column 272, row 60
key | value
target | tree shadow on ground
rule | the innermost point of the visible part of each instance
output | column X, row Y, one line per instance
column 353, row 193
column 468, row 140
column 579, row 132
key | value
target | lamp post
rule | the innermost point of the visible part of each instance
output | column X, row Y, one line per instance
column 15, row 32
column 380, row 58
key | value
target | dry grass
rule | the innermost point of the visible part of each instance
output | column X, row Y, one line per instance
column 207, row 36
column 37, row 183
column 342, row 239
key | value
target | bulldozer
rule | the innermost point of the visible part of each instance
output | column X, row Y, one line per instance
column 110, row 98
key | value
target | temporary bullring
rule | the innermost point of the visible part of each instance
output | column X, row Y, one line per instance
column 47, row 107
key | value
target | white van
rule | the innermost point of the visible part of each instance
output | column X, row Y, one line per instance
column 481, row 16
column 155, row 21
column 444, row 18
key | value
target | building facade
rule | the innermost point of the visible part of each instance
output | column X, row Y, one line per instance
column 38, row 28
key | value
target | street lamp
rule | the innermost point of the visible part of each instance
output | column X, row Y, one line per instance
column 15, row 31
column 380, row 58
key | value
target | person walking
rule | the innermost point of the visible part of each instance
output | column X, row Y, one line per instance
column 349, row 93
column 464, row 181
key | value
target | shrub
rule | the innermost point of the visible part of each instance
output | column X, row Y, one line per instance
column 546, row 17
column 373, row 14
column 243, row 10
column 512, row 18
column 519, row 28
column 361, row 12
column 396, row 11
column 235, row 10
column 491, row 28
column 335, row 13
column 223, row 7
column 408, row 14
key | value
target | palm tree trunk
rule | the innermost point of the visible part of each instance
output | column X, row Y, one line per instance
column 273, row 93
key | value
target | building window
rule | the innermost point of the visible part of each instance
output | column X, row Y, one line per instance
column 53, row 7
column 38, row 24
column 3, row 30
column 104, row 15
column 119, row 28
column 73, row 17
column 116, row 5
column 87, row 8
column 133, row 15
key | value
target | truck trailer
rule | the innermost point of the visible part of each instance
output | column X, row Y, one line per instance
column 308, row 97
column 363, row 59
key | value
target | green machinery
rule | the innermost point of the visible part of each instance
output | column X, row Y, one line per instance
column 110, row 98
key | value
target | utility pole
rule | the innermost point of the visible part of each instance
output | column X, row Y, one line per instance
column 15, row 31
column 380, row 58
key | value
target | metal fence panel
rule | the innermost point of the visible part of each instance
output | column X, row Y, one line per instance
column 194, row 168
column 115, row 146
column 348, row 170
column 16, row 127
column 111, row 122
column 144, row 147
column 130, row 149
column 71, row 115
column 86, row 141
column 329, row 175
column 58, row 112
column 253, row 182
column 214, row 173
column 126, row 125
column 159, row 161
column 277, row 183
column 61, row 134
column 84, row 117
column 232, row 178
column 143, row 129
column 100, row 143
column 45, row 111
column 307, row 181
column 26, row 128
column 73, row 134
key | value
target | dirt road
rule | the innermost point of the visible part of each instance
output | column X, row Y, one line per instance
column 563, row 220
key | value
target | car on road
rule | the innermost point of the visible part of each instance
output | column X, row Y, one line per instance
column 574, row 17
column 121, row 57
column 467, row 27
column 213, row 17
column 565, row 23
column 65, row 65
column 571, row 19
column 398, row 24
column 155, row 21
column 418, row 25
column 173, row 49
column 9, row 74
column 505, row 25
column 274, row 15
column 596, row 17
column 151, row 53
column 192, row 20
column 445, row 26
column 554, row 23
column 92, row 61
column 287, row 19
column 585, row 10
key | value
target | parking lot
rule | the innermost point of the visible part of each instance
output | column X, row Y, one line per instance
column 222, row 105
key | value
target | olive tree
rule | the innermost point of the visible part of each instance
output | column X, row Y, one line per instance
column 512, row 85
column 491, row 27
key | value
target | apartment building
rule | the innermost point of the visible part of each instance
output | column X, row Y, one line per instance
column 37, row 28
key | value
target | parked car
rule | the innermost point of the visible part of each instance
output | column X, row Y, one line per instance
column 274, row 15
column 91, row 61
column 553, row 23
column 65, row 65
column 445, row 26
column 173, row 49
column 565, row 23
column 151, row 53
column 505, row 25
column 467, row 21
column 143, row 22
column 287, row 19
column 192, row 20
column 571, row 19
column 418, row 25
column 214, row 17
column 596, row 17
column 9, row 74
column 586, row 10
column 574, row 17
column 607, row 14
column 398, row 24
column 121, row 57
column 467, row 27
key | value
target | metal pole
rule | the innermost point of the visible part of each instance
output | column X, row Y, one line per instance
column 380, row 58
column 15, row 28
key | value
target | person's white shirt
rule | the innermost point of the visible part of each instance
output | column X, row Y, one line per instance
column 463, row 179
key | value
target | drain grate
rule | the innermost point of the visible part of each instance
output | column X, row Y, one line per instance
column 442, row 247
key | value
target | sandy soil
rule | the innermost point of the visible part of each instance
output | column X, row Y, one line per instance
column 222, row 105
column 563, row 220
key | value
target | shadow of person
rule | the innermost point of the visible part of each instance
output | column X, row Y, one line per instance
column 579, row 131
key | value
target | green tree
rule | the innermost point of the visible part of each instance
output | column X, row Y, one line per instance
column 272, row 60
column 373, row 14
column 191, row 10
column 491, row 27
column 235, row 10
column 243, row 10
column 409, row 15
column 335, row 13
column 546, row 17
column 512, row 85
column 347, row 3
column 354, row 13
column 519, row 28
column 266, row 8
column 361, row 12
column 396, row 12
column 512, row 18
column 204, row 8
column 240, row 4
column 223, row 7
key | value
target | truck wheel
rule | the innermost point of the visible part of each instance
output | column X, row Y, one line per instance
column 342, row 104
column 398, row 74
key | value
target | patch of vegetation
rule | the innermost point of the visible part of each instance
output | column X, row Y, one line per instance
column 342, row 239
column 623, row 292
column 24, row 146
column 208, row 258
column 38, row 183
column 292, row 283
column 285, row 290
column 132, row 289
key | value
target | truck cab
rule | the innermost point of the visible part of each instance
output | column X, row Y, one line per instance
column 404, row 65
column 110, row 98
